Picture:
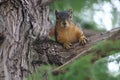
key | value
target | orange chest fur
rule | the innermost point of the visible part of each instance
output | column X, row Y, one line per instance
column 67, row 34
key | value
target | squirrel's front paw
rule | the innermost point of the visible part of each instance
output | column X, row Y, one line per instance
column 67, row 45
column 83, row 40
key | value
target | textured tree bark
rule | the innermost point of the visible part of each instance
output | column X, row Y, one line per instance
column 21, row 22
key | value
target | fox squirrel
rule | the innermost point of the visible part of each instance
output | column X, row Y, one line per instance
column 66, row 32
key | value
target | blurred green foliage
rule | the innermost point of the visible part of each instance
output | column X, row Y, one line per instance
column 86, row 10
column 87, row 67
column 107, row 47
column 107, row 68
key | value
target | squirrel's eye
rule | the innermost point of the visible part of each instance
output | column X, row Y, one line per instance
column 57, row 17
column 70, row 16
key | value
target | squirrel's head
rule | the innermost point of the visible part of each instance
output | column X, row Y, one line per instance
column 63, row 18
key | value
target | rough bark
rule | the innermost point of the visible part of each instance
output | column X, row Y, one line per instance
column 21, row 22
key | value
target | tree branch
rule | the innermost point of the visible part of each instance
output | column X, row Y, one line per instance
column 112, row 35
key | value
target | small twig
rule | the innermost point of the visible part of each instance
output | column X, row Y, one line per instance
column 45, row 76
column 73, row 59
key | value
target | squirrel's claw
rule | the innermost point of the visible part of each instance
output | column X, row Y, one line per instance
column 83, row 40
column 67, row 45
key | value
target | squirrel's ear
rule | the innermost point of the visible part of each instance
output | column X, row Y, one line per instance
column 56, row 11
column 71, row 11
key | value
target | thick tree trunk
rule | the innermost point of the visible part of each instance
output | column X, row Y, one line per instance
column 21, row 22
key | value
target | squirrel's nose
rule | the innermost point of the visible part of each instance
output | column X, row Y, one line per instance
column 64, row 23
